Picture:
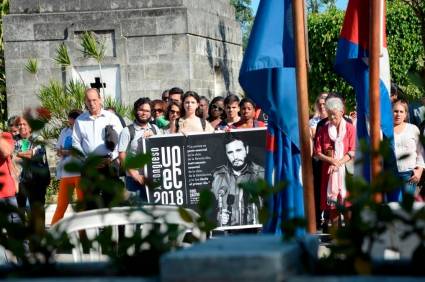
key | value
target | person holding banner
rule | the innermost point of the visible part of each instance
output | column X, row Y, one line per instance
column 173, row 114
column 192, row 120
column 129, row 144
column 216, row 111
column 232, row 109
column 248, row 119
column 233, row 205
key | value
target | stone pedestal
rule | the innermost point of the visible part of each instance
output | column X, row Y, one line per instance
column 237, row 258
column 155, row 45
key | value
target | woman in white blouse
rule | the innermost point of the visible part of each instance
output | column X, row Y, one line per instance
column 409, row 152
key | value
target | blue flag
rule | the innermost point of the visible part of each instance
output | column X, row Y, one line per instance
column 268, row 77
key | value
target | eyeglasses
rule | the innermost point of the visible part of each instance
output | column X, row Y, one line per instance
column 174, row 112
column 158, row 110
column 215, row 107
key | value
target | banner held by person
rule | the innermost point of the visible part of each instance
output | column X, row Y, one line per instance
column 184, row 165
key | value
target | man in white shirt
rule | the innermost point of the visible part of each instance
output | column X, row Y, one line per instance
column 130, row 144
column 88, row 137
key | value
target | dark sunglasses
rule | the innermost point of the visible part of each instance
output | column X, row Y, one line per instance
column 215, row 107
column 174, row 112
column 158, row 110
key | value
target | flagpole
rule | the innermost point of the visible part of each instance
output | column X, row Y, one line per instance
column 302, row 91
column 374, row 90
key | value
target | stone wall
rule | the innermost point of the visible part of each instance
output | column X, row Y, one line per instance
column 154, row 45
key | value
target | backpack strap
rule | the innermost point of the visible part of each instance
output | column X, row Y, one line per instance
column 203, row 123
column 153, row 129
column 132, row 132
column 177, row 125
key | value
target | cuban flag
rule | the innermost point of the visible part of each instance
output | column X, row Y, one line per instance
column 352, row 64
column 268, row 77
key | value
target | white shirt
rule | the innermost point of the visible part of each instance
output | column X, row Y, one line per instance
column 135, row 145
column 64, row 142
column 139, row 132
column 88, row 135
column 407, row 145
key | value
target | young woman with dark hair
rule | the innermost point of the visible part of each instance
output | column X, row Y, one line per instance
column 191, row 118
column 216, row 111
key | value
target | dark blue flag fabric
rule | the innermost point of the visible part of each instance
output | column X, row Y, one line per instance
column 267, row 76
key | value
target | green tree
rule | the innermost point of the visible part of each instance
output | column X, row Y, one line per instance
column 315, row 6
column 417, row 77
column 404, row 45
column 244, row 16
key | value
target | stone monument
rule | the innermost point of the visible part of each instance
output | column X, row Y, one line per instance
column 151, row 45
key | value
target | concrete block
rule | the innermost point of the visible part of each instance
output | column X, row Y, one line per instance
column 180, row 44
column 167, row 83
column 134, row 46
column 15, row 103
column 171, row 69
column 151, row 85
column 47, row 31
column 135, row 73
column 14, row 77
column 235, row 258
column 14, row 30
column 91, row 5
column 138, row 27
column 24, row 6
column 142, row 60
column 35, row 49
column 137, row 4
column 49, row 6
column 12, row 50
column 174, row 24
column 157, row 45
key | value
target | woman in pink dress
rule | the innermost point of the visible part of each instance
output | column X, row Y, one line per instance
column 334, row 146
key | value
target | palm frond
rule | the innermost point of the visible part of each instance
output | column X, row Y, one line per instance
column 75, row 93
column 62, row 56
column 121, row 109
column 92, row 47
column 32, row 66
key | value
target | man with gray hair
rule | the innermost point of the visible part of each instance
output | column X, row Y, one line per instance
column 90, row 132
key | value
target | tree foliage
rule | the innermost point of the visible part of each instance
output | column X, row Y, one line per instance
column 404, row 46
column 244, row 16
column 314, row 6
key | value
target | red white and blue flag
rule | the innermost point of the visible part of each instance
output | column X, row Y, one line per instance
column 268, row 77
column 353, row 65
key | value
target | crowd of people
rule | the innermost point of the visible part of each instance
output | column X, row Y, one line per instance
column 102, row 132
column 334, row 147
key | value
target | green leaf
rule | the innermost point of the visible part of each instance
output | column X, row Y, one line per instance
column 206, row 200
column 32, row 66
column 185, row 215
column 62, row 56
column 91, row 47
column 137, row 161
column 416, row 79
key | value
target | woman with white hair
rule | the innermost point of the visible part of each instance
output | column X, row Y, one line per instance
column 334, row 146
